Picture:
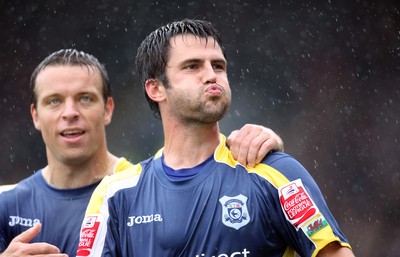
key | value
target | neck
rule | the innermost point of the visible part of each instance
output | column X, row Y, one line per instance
column 67, row 176
column 188, row 146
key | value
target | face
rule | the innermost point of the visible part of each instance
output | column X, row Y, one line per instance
column 198, row 85
column 71, row 113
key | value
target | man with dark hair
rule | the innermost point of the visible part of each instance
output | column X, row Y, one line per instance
column 71, row 107
column 192, row 198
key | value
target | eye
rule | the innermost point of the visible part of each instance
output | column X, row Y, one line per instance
column 219, row 66
column 54, row 101
column 85, row 99
column 191, row 67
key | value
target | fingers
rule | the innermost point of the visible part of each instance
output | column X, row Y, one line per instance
column 252, row 143
column 264, row 141
column 27, row 236
column 275, row 141
column 41, row 249
column 245, row 144
column 232, row 143
column 265, row 148
column 255, row 149
column 21, row 246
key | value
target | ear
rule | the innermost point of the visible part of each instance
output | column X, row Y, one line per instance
column 35, row 117
column 155, row 90
column 109, row 110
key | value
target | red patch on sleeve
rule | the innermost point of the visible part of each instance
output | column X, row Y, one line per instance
column 89, row 231
column 296, row 203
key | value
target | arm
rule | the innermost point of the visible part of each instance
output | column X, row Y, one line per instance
column 252, row 143
column 335, row 250
column 300, row 205
column 20, row 246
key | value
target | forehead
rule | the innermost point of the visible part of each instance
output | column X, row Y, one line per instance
column 188, row 46
column 67, row 78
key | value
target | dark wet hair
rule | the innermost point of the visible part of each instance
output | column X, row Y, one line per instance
column 71, row 57
column 153, row 52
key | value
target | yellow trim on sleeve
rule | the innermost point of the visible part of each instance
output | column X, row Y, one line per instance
column 104, row 190
column 277, row 179
column 289, row 252
column 224, row 155
column 121, row 165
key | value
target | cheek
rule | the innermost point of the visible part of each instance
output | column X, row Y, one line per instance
column 47, row 134
column 227, row 88
column 229, row 93
column 42, row 124
column 99, row 122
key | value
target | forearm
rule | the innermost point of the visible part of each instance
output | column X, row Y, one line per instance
column 335, row 250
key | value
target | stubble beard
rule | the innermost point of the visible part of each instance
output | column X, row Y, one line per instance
column 205, row 111
column 209, row 112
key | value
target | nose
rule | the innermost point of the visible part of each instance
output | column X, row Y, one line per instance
column 70, row 111
column 209, row 73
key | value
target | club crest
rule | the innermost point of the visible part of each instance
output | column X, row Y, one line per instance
column 234, row 211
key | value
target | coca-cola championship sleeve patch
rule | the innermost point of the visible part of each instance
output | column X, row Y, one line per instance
column 89, row 230
column 296, row 203
column 94, row 226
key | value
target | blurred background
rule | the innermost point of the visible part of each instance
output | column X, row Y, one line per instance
column 325, row 75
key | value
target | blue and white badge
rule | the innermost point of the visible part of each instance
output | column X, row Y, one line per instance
column 234, row 211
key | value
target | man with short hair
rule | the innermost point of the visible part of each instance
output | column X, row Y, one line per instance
column 192, row 198
column 71, row 107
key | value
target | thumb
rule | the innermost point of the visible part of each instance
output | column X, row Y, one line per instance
column 27, row 236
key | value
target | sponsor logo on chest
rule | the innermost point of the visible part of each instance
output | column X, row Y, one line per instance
column 137, row 220
column 243, row 253
column 25, row 222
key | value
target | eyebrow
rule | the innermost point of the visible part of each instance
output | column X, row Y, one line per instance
column 198, row 60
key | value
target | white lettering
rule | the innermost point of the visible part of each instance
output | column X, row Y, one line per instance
column 13, row 221
column 138, row 220
column 157, row 217
column 85, row 242
column 293, row 202
column 16, row 220
column 88, row 233
column 299, row 208
column 244, row 253
column 132, row 220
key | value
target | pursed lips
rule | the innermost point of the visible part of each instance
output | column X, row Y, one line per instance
column 214, row 89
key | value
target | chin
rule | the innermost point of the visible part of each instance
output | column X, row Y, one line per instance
column 76, row 159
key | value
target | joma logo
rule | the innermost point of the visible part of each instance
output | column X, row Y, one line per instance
column 143, row 219
column 16, row 220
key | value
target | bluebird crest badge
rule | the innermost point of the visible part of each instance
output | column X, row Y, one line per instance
column 234, row 211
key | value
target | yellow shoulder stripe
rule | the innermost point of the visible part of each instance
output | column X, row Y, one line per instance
column 110, row 184
column 223, row 155
column 121, row 165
